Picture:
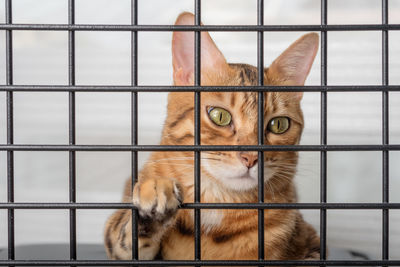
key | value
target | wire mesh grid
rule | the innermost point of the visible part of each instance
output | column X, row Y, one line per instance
column 260, row 28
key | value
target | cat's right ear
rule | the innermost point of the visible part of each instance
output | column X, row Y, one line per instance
column 183, row 53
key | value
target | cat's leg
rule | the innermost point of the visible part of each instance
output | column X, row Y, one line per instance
column 157, row 201
column 312, row 243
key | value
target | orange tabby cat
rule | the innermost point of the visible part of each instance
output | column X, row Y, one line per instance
column 166, row 180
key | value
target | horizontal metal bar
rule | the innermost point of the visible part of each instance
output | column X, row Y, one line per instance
column 202, row 262
column 198, row 148
column 225, row 28
column 105, row 88
column 30, row 205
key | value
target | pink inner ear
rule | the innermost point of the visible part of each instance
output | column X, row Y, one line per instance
column 183, row 52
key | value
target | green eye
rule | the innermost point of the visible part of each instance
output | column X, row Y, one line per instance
column 220, row 116
column 278, row 125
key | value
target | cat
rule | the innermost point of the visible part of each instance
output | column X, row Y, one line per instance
column 227, row 118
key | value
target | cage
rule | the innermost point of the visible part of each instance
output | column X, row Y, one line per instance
column 80, row 79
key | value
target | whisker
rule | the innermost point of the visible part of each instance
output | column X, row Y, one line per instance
column 179, row 159
column 212, row 159
column 212, row 152
column 170, row 159
column 174, row 164
column 270, row 189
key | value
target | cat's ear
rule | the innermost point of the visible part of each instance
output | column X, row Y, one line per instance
column 294, row 64
column 183, row 53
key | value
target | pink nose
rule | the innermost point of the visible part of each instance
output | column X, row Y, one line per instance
column 249, row 160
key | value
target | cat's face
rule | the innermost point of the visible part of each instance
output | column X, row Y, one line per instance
column 230, row 118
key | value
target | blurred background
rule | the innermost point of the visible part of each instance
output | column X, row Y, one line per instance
column 103, row 58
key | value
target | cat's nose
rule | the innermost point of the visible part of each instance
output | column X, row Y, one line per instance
column 248, row 159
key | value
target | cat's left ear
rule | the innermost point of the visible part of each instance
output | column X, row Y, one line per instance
column 294, row 64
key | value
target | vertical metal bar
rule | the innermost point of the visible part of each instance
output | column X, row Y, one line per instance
column 323, row 163
column 385, row 133
column 197, row 137
column 260, row 68
column 72, row 139
column 10, row 132
column 134, row 122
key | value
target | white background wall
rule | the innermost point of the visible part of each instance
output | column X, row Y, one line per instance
column 103, row 58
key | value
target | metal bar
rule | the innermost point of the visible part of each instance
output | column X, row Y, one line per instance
column 260, row 128
column 203, row 263
column 72, row 136
column 161, row 88
column 86, row 205
column 10, row 132
column 71, row 27
column 324, row 133
column 197, row 132
column 134, row 124
column 385, row 133
column 390, row 147
column 225, row 28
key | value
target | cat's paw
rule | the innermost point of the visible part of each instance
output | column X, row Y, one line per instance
column 157, row 199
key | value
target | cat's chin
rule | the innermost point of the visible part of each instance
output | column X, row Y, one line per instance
column 241, row 183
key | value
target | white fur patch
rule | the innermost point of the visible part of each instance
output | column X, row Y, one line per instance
column 211, row 219
column 211, row 188
column 236, row 176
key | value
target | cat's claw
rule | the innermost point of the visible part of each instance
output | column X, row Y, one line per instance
column 157, row 199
